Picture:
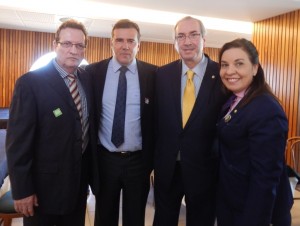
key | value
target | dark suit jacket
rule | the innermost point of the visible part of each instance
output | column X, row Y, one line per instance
column 146, row 74
column 195, row 141
column 253, row 178
column 44, row 151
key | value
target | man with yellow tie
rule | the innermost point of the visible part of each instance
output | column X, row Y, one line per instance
column 189, row 99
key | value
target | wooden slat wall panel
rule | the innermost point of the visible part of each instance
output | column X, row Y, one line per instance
column 278, row 42
column 20, row 49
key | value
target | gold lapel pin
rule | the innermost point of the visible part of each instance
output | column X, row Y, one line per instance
column 227, row 118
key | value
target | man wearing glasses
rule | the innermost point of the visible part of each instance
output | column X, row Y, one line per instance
column 188, row 102
column 47, row 136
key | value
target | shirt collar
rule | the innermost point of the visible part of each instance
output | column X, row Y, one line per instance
column 196, row 69
column 116, row 65
column 240, row 95
column 60, row 70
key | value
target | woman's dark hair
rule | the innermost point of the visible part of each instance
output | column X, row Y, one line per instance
column 259, row 85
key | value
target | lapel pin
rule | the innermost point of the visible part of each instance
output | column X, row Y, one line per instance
column 57, row 112
column 235, row 111
column 213, row 76
column 146, row 100
column 227, row 118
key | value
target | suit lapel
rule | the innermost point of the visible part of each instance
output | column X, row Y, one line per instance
column 175, row 80
column 99, row 75
column 233, row 114
column 84, row 80
column 57, row 83
column 143, row 84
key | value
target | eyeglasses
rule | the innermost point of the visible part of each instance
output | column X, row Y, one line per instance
column 192, row 37
column 68, row 45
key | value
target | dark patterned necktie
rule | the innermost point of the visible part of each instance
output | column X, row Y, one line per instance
column 117, row 136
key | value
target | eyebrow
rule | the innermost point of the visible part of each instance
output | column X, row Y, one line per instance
column 191, row 32
column 240, row 59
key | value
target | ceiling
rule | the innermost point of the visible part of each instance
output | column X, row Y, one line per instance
column 44, row 15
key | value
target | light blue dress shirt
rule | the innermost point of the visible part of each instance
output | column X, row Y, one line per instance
column 199, row 71
column 132, row 136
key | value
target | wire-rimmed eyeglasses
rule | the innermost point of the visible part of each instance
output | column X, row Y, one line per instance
column 78, row 46
column 192, row 37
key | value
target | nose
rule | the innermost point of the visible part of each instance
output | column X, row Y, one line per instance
column 125, row 45
column 73, row 49
column 187, row 41
column 231, row 69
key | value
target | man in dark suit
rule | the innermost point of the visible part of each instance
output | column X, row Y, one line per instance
column 125, row 159
column 189, row 99
column 47, row 142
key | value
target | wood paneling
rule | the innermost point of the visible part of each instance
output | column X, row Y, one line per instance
column 20, row 49
column 278, row 42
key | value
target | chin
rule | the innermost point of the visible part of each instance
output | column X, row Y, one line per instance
column 125, row 62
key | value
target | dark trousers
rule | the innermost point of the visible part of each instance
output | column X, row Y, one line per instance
column 200, row 209
column 124, row 173
column 74, row 218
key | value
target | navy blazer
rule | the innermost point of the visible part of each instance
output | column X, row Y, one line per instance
column 253, row 179
column 195, row 142
column 44, row 150
column 146, row 73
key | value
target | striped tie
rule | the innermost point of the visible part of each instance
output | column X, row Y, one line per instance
column 76, row 97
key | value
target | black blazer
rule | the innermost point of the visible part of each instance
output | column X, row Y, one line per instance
column 195, row 141
column 146, row 74
column 253, row 177
column 44, row 151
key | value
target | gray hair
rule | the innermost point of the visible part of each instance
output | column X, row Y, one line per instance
column 201, row 25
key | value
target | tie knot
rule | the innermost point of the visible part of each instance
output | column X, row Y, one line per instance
column 190, row 74
column 123, row 69
column 71, row 77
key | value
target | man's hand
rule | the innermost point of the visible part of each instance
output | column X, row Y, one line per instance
column 25, row 206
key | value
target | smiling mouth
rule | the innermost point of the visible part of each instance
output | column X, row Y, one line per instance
column 232, row 80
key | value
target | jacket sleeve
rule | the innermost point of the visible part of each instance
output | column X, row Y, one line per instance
column 267, row 138
column 20, row 139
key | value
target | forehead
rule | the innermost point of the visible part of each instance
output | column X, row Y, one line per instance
column 71, row 34
column 235, row 54
column 187, row 26
column 125, row 33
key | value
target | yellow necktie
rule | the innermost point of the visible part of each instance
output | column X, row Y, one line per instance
column 189, row 97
